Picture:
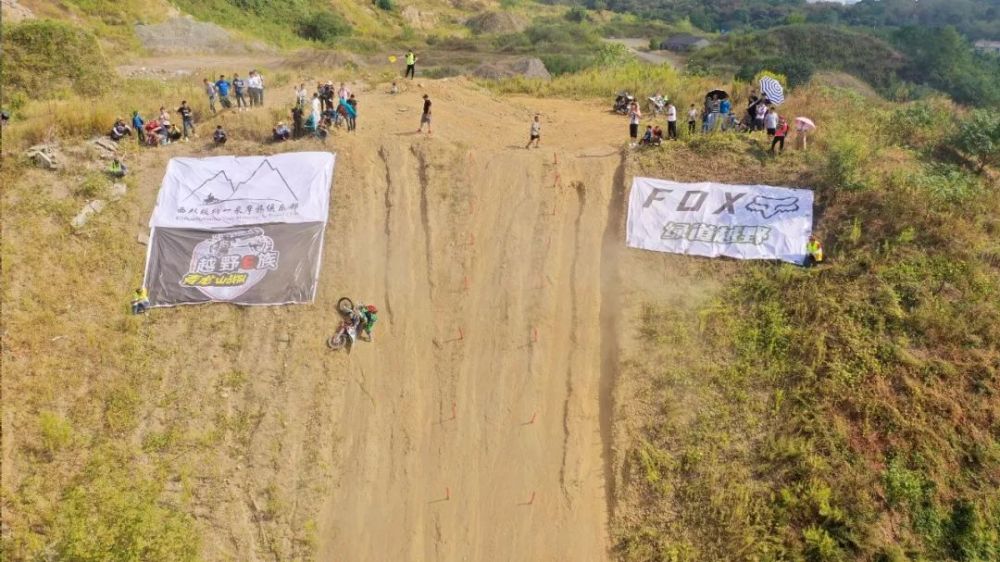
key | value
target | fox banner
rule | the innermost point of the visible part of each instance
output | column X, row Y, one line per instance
column 242, row 230
column 716, row 219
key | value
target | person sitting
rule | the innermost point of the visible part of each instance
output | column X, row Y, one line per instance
column 219, row 136
column 394, row 89
column 173, row 133
column 281, row 132
column 140, row 300
column 153, row 134
column 117, row 168
column 814, row 252
column 119, row 130
column 647, row 137
column 657, row 135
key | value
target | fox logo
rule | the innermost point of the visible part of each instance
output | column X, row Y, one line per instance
column 771, row 206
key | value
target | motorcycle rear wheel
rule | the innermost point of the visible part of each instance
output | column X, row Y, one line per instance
column 345, row 305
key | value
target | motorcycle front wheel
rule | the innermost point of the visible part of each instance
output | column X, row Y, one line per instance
column 345, row 305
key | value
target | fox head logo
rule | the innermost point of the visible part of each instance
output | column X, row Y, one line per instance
column 768, row 207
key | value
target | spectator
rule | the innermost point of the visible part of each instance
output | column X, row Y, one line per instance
column 411, row 65
column 671, row 121
column 536, row 133
column 300, row 95
column 725, row 106
column 153, row 133
column 117, row 168
column 119, row 130
column 140, row 300
column 317, row 109
column 187, row 119
column 281, row 132
column 211, row 91
column 394, row 89
column 222, row 87
column 240, row 90
column 771, row 121
column 425, row 117
column 137, row 125
column 326, row 95
column 256, row 85
column 297, row 130
column 657, row 135
column 344, row 92
column 352, row 113
column 692, row 119
column 634, row 115
column 219, row 136
column 647, row 137
column 759, row 115
column 779, row 135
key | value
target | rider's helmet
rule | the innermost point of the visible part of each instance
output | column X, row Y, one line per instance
column 372, row 309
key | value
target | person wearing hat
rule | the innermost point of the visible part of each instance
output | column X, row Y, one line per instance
column 368, row 316
column 281, row 132
column 425, row 117
column 814, row 252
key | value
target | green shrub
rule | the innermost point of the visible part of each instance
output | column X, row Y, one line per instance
column 47, row 58
column 386, row 5
column 576, row 15
column 322, row 26
column 846, row 154
column 978, row 136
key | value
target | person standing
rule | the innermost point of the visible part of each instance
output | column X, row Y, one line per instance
column 779, row 135
column 317, row 108
column 297, row 129
column 634, row 115
column 411, row 65
column 300, row 95
column 771, row 121
column 352, row 113
column 256, row 87
column 761, row 113
column 222, row 87
column 210, row 91
column 137, row 126
column 425, row 117
column 671, row 121
column 344, row 93
column 692, row 119
column 240, row 90
column 187, row 119
column 536, row 133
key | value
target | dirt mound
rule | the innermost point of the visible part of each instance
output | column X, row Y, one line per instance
column 187, row 35
column 527, row 67
column 496, row 22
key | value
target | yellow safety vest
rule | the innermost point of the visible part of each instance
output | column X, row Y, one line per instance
column 815, row 250
column 411, row 58
column 139, row 296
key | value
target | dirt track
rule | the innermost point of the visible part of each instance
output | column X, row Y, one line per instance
column 472, row 429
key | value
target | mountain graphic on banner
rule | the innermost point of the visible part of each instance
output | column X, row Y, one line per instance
column 265, row 184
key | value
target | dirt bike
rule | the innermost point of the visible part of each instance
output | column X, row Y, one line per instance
column 622, row 102
column 347, row 334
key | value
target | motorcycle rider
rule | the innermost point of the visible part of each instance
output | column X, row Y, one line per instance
column 368, row 317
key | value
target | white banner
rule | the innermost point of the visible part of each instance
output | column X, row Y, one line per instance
column 232, row 191
column 716, row 219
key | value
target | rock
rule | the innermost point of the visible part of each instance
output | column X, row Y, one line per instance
column 143, row 239
column 105, row 144
column 118, row 191
column 45, row 156
column 95, row 206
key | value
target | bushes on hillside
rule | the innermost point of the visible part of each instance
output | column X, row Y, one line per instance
column 322, row 26
column 978, row 137
column 46, row 58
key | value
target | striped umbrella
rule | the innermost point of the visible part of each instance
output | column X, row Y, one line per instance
column 772, row 89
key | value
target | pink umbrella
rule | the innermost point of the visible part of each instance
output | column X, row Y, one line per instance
column 804, row 124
